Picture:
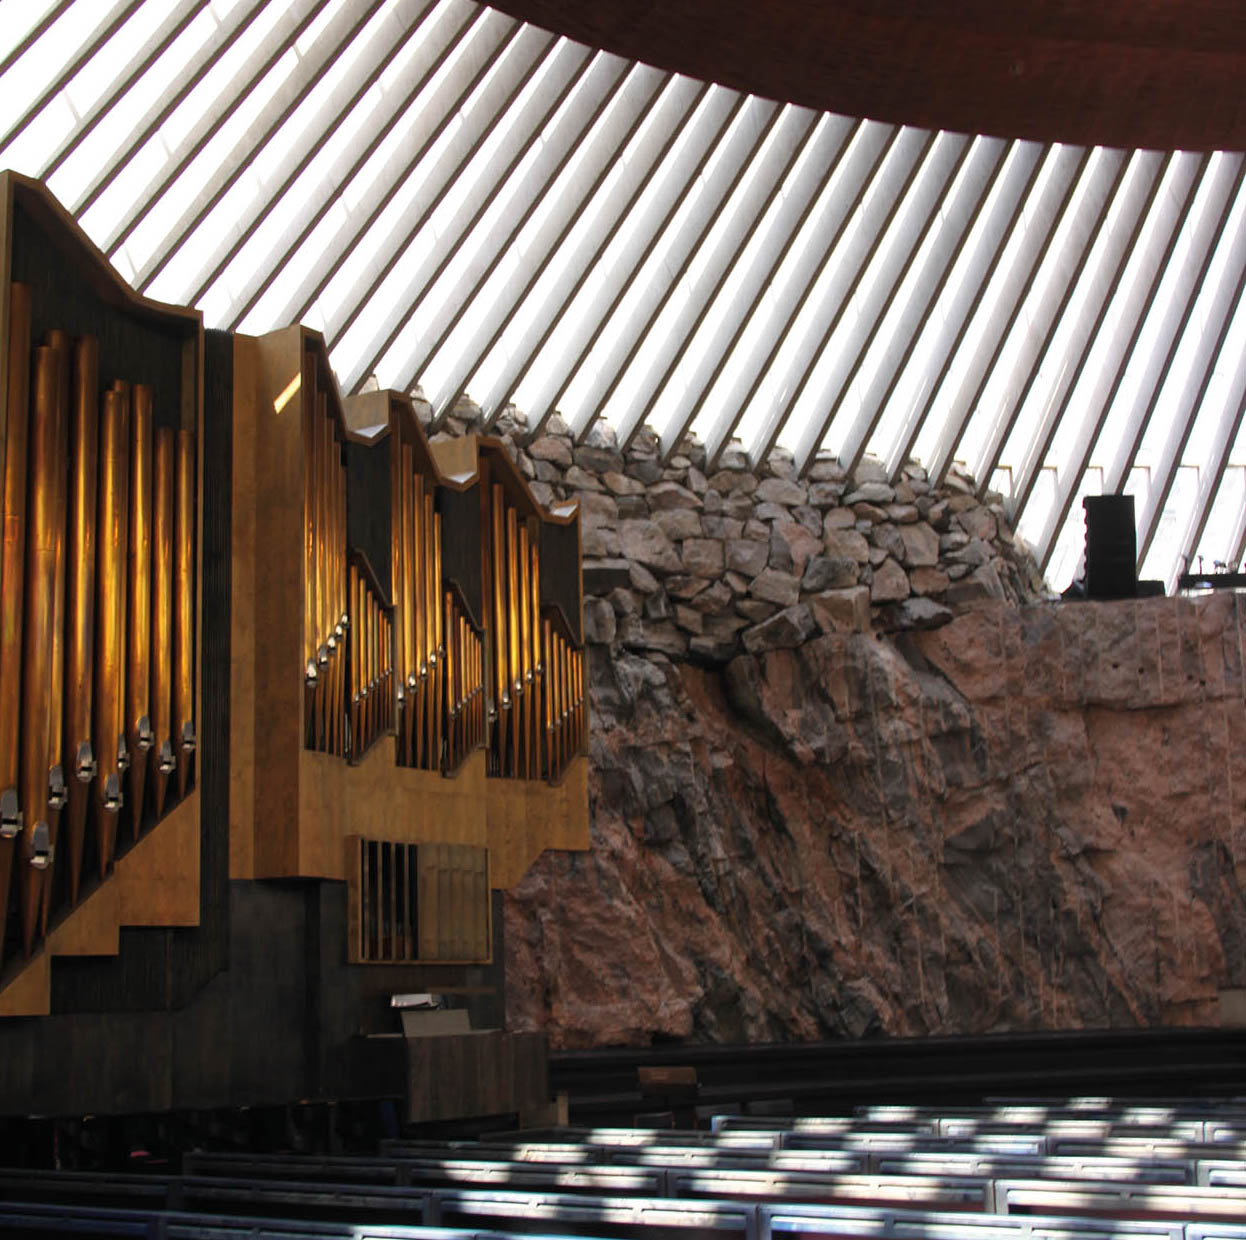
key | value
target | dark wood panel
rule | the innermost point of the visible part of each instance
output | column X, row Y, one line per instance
column 1131, row 73
column 560, row 571
column 368, row 517
column 460, row 543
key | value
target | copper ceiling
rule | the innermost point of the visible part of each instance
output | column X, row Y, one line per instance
column 1163, row 74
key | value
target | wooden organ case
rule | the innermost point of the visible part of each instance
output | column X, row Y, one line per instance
column 288, row 696
column 99, row 568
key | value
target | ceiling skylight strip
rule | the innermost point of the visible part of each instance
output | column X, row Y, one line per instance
column 799, row 200
column 1175, row 313
column 770, row 168
column 1049, row 297
column 632, row 323
column 864, row 232
column 109, row 24
column 1134, row 202
column 630, row 107
column 720, row 139
column 978, row 262
column 481, row 70
column 836, row 208
column 955, row 162
column 489, row 239
column 929, row 277
column 459, row 174
column 683, row 103
column 1222, row 305
column 289, row 164
column 1171, row 215
column 1003, row 298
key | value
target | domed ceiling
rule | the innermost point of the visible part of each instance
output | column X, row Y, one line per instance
column 922, row 255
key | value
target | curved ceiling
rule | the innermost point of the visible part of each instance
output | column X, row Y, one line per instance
column 463, row 201
column 1164, row 74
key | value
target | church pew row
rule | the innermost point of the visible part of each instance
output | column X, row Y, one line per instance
column 760, row 1222
column 658, row 1173
column 720, row 1202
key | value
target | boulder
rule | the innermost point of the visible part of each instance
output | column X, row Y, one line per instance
column 644, row 542
column 772, row 586
column 890, row 584
column 788, row 628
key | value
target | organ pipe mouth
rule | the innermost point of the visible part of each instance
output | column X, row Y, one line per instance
column 144, row 737
column 40, row 846
column 10, row 814
column 58, row 794
column 112, row 793
column 166, row 763
column 188, row 737
column 123, row 755
column 85, row 768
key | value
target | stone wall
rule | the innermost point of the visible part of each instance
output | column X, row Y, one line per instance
column 701, row 565
column 854, row 774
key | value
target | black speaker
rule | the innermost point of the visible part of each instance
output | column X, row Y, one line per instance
column 1111, row 546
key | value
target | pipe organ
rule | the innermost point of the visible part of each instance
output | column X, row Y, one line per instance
column 351, row 655
column 98, row 573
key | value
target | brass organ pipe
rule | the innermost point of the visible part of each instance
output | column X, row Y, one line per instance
column 12, row 574
column 138, row 719
column 184, row 610
column 400, row 526
column 447, row 619
column 112, row 511
column 428, row 596
column 512, row 632
column 534, row 607
column 322, row 649
column 310, row 671
column 352, row 586
column 525, row 666
column 439, row 680
column 47, row 521
column 37, row 621
column 501, row 681
column 403, row 600
column 333, row 620
column 418, row 669
column 161, row 686
column 339, row 591
column 80, row 600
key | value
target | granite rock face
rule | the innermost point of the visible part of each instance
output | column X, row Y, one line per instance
column 1031, row 817
column 853, row 772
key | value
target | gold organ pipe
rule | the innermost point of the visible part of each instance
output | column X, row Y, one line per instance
column 525, row 666
column 37, row 622
column 352, row 586
column 339, row 591
column 80, row 600
column 534, row 607
column 418, row 669
column 447, row 609
column 311, row 673
column 501, row 679
column 512, row 633
column 12, row 582
column 439, row 680
column 161, row 686
column 38, row 886
column 138, row 706
column 111, row 517
column 400, row 528
column 184, row 609
column 43, row 789
column 428, row 674
column 318, row 627
column 405, row 601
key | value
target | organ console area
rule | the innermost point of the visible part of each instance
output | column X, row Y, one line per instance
column 255, row 632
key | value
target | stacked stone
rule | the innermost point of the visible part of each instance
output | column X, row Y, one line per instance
column 698, row 564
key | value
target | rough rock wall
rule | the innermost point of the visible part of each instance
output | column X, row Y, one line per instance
column 1031, row 817
column 853, row 773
